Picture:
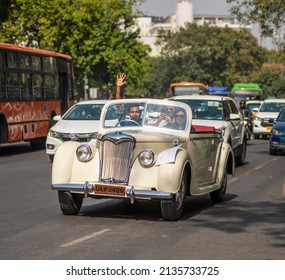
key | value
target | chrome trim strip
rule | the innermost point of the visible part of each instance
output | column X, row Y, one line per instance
column 131, row 193
column 86, row 188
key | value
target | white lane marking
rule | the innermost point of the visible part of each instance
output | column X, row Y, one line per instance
column 258, row 167
column 84, row 238
column 232, row 179
column 262, row 165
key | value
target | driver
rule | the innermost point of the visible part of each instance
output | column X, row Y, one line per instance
column 135, row 113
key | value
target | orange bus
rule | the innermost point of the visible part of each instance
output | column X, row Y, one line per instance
column 35, row 85
column 188, row 88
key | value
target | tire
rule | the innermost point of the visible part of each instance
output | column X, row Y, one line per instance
column 70, row 204
column 241, row 158
column 171, row 210
column 256, row 136
column 219, row 194
column 38, row 143
column 51, row 157
column 272, row 152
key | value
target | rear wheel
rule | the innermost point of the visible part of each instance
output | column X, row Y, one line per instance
column 70, row 204
column 219, row 194
column 171, row 210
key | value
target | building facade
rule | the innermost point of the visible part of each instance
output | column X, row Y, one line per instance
column 149, row 25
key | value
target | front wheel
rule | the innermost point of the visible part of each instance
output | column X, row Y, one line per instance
column 70, row 204
column 171, row 210
column 219, row 194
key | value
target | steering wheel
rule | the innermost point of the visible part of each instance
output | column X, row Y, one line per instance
column 133, row 122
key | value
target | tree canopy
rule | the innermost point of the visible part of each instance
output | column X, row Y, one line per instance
column 211, row 55
column 99, row 35
column 270, row 15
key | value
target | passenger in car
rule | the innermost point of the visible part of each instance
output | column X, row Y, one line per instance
column 166, row 116
column 135, row 113
column 179, row 119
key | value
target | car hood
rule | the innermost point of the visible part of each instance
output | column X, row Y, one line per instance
column 66, row 126
column 217, row 124
column 268, row 115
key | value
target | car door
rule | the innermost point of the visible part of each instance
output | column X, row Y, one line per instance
column 235, row 124
column 205, row 154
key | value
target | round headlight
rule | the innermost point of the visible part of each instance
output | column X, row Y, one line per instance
column 147, row 158
column 84, row 153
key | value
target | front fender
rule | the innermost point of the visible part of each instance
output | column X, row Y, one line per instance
column 63, row 162
column 165, row 177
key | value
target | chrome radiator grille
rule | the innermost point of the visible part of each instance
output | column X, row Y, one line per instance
column 116, row 155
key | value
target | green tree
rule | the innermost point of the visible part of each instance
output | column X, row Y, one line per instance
column 99, row 35
column 270, row 15
column 5, row 6
column 212, row 55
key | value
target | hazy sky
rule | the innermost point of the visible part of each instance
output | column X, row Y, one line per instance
column 167, row 7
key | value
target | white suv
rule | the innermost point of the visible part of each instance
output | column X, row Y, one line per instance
column 222, row 113
column 266, row 117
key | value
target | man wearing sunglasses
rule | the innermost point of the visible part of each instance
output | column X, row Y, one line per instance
column 166, row 116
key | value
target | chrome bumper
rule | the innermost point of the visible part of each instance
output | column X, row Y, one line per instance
column 131, row 193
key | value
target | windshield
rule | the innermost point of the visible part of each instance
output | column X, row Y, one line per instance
column 281, row 116
column 205, row 109
column 273, row 107
column 146, row 115
column 84, row 112
column 251, row 106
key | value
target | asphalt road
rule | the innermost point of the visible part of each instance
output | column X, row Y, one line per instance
column 249, row 225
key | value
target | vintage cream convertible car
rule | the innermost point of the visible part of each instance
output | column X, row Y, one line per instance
column 144, row 158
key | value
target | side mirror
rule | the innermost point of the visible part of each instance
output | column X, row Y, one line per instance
column 255, row 109
column 234, row 117
column 56, row 118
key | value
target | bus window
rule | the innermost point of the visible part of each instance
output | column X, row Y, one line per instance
column 26, row 85
column 1, row 60
column 188, row 88
column 29, row 92
column 49, row 87
column 48, row 64
column 11, row 60
column 36, row 63
column 13, row 89
column 37, row 86
column 2, row 86
column 24, row 61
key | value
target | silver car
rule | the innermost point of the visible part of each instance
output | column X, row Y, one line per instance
column 222, row 113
